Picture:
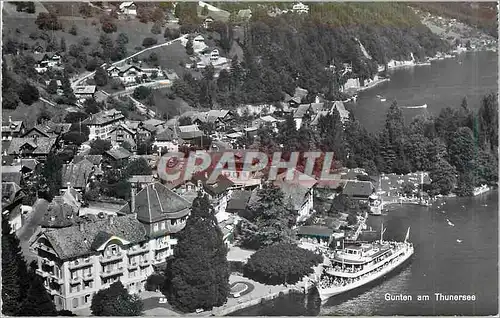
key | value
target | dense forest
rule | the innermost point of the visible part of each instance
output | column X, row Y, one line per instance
column 290, row 50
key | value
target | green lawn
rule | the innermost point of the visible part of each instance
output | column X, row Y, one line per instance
column 135, row 30
column 165, row 105
column 169, row 57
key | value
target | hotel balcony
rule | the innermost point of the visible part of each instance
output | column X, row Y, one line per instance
column 133, row 265
column 137, row 250
column 54, row 292
column 75, row 280
column 88, row 276
column 110, row 258
column 162, row 246
column 145, row 262
column 42, row 273
column 78, row 264
column 112, row 272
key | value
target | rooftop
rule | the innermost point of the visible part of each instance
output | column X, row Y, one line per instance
column 155, row 202
column 73, row 241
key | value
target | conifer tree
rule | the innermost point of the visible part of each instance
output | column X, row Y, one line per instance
column 199, row 275
column 38, row 301
column 14, row 273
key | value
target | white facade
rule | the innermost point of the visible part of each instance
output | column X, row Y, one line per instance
column 171, row 146
column 300, row 8
column 307, row 208
column 73, row 283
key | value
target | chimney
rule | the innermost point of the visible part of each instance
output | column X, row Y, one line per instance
column 111, row 220
column 68, row 184
column 132, row 197
column 10, row 119
column 81, row 227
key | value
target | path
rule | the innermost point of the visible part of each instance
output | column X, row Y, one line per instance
column 78, row 80
column 47, row 101
column 142, row 108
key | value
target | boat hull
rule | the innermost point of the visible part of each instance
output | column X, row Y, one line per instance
column 327, row 293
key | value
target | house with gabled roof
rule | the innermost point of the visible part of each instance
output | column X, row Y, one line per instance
column 122, row 133
column 128, row 8
column 85, row 92
column 358, row 190
column 301, row 114
column 77, row 175
column 79, row 260
column 12, row 128
column 117, row 154
column 36, row 147
column 166, row 139
column 101, row 124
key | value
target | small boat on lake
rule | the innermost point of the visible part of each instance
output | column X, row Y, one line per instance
column 415, row 107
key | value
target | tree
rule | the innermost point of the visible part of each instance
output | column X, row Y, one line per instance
column 50, row 176
column 147, row 42
column 14, row 272
column 48, row 21
column 199, row 275
column 443, row 178
column 171, row 34
column 52, row 88
column 204, row 11
column 269, row 220
column 138, row 167
column 38, row 301
column 73, row 30
column 101, row 77
column 156, row 28
column 28, row 94
column 189, row 47
column 116, row 301
column 99, row 147
column 141, row 92
column 63, row 44
column 462, row 149
column 108, row 26
column 75, row 137
column 282, row 263
column 408, row 188
column 91, row 106
column 122, row 38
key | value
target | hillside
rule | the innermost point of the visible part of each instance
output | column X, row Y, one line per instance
column 289, row 50
column 482, row 15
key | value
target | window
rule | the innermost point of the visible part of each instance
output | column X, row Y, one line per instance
column 174, row 221
column 75, row 302
column 155, row 227
column 162, row 225
column 87, row 298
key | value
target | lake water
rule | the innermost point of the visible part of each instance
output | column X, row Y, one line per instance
column 440, row 264
column 443, row 84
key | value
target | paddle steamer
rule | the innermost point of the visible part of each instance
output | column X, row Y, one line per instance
column 357, row 264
